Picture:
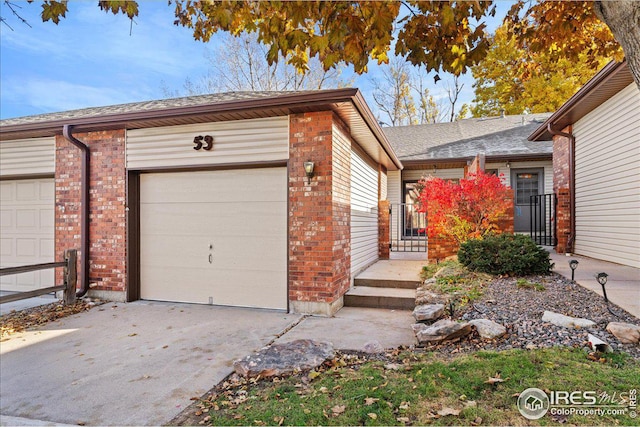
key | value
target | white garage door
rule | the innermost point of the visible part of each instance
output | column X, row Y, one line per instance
column 27, row 231
column 215, row 237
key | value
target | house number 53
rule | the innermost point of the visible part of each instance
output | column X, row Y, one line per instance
column 203, row 142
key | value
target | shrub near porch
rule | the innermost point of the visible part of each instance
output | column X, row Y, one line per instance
column 476, row 206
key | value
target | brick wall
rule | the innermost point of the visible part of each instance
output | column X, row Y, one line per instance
column 319, row 215
column 561, row 161
column 561, row 179
column 107, row 252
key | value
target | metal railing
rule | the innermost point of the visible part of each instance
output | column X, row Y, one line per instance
column 543, row 219
column 408, row 228
column 69, row 285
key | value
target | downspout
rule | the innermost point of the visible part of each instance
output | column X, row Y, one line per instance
column 84, row 215
column 572, row 185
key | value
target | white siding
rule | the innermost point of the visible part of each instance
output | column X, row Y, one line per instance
column 416, row 175
column 27, row 157
column 383, row 185
column 364, row 213
column 608, row 180
column 394, row 186
column 240, row 141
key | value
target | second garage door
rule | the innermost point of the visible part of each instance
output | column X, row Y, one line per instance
column 215, row 237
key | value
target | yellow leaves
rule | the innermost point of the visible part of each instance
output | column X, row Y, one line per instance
column 372, row 415
column 53, row 10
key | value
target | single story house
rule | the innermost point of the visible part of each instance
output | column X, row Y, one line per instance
column 447, row 150
column 255, row 199
column 596, row 167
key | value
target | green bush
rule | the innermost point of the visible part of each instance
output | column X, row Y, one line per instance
column 513, row 254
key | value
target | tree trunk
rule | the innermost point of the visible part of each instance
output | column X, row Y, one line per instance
column 623, row 19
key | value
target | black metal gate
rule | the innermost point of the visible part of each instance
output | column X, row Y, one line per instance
column 543, row 219
column 408, row 228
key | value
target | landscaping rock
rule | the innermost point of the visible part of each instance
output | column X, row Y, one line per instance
column 442, row 330
column 286, row 358
column 626, row 333
column 424, row 296
column 566, row 321
column 488, row 329
column 428, row 312
column 373, row 347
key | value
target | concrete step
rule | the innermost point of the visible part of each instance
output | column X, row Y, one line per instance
column 386, row 283
column 375, row 297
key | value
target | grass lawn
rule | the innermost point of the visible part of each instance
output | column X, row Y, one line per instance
column 416, row 388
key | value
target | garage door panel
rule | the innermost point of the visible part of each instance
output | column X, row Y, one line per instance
column 27, row 229
column 241, row 214
column 215, row 219
column 200, row 187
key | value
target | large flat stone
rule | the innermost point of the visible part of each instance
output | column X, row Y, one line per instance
column 488, row 329
column 285, row 358
column 428, row 312
column 442, row 330
column 626, row 333
column 566, row 321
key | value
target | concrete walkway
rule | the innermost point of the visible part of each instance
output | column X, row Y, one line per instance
column 623, row 284
column 140, row 363
column 390, row 270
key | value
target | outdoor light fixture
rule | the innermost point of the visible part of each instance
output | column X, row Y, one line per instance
column 602, row 279
column 308, row 169
column 508, row 165
column 573, row 264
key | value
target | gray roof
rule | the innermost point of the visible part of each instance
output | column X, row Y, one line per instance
column 493, row 136
column 155, row 105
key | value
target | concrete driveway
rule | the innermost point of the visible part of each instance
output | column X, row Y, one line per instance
column 128, row 364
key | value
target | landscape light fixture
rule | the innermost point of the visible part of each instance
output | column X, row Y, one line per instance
column 573, row 264
column 308, row 169
column 602, row 279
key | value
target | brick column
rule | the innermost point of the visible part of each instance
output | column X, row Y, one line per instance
column 563, row 220
column 383, row 229
column 319, row 215
column 107, row 195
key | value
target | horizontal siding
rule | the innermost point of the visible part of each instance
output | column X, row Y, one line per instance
column 608, row 180
column 240, row 141
column 415, row 175
column 364, row 213
column 394, row 186
column 33, row 156
column 383, row 185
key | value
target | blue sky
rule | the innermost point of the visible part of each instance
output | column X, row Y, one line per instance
column 90, row 59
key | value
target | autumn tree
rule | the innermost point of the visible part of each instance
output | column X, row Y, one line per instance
column 247, row 69
column 468, row 209
column 444, row 37
column 513, row 80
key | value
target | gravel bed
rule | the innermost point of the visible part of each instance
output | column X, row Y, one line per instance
column 520, row 311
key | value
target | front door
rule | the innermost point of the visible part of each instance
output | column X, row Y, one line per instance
column 526, row 183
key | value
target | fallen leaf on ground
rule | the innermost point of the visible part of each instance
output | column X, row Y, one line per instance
column 448, row 411
column 338, row 409
column 372, row 416
column 368, row 401
column 494, row 380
